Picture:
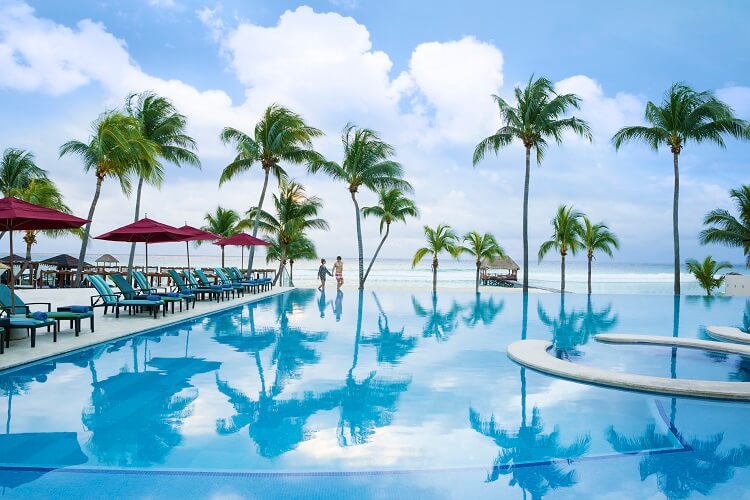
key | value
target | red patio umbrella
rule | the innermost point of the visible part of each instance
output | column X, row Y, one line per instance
column 240, row 240
column 18, row 215
column 198, row 235
column 145, row 231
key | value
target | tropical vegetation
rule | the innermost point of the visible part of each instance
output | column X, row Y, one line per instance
column 222, row 222
column 727, row 229
column 596, row 238
column 706, row 272
column 684, row 115
column 279, row 136
column 481, row 247
column 566, row 237
column 537, row 117
column 439, row 240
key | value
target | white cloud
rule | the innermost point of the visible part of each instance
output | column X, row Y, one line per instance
column 169, row 4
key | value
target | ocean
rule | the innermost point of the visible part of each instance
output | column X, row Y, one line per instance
column 608, row 277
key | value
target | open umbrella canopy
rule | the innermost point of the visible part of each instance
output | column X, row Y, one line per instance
column 146, row 231
column 241, row 240
column 18, row 215
column 198, row 234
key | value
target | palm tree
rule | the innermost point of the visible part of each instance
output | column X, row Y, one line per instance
column 481, row 247
column 43, row 192
column 597, row 237
column 222, row 222
column 705, row 272
column 441, row 239
column 685, row 115
column 17, row 169
column 367, row 163
column 280, row 135
column 301, row 247
column 534, row 120
column 392, row 206
column 295, row 213
column 114, row 147
column 728, row 229
column 160, row 123
column 565, row 237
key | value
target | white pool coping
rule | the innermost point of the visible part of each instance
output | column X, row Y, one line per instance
column 728, row 333
column 107, row 327
column 535, row 354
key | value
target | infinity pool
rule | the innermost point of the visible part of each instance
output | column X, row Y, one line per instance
column 376, row 396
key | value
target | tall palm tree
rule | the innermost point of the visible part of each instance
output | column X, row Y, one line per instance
column 481, row 247
column 392, row 206
column 114, row 147
column 684, row 115
column 296, row 212
column 705, row 272
column 536, row 118
column 17, row 169
column 280, row 136
column 728, row 229
column 222, row 222
column 43, row 192
column 566, row 237
column 597, row 238
column 160, row 123
column 439, row 240
column 367, row 163
column 301, row 247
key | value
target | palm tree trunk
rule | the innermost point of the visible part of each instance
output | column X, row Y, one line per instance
column 251, row 253
column 377, row 251
column 675, row 223
column 87, row 231
column 434, row 275
column 589, row 273
column 526, row 221
column 29, row 237
column 282, row 261
column 476, row 281
column 562, row 273
column 291, row 272
column 135, row 219
column 361, row 259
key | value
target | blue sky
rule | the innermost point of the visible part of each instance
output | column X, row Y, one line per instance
column 419, row 72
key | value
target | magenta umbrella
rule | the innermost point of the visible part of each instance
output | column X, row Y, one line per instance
column 240, row 240
column 198, row 235
column 145, row 231
column 17, row 215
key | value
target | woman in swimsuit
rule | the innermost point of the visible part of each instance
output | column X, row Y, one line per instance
column 322, row 272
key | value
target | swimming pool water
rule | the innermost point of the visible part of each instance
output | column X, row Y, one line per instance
column 371, row 395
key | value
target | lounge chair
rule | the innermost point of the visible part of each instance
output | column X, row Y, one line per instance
column 227, row 281
column 249, row 284
column 199, row 278
column 263, row 283
column 107, row 298
column 131, row 293
column 62, row 313
column 21, row 320
column 142, row 282
column 197, row 291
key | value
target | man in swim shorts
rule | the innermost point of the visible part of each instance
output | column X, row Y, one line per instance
column 338, row 271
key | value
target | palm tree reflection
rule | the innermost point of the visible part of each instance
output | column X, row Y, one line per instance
column 483, row 311
column 390, row 345
column 573, row 328
column 438, row 324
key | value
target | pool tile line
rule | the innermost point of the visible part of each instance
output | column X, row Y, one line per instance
column 670, row 425
column 163, row 326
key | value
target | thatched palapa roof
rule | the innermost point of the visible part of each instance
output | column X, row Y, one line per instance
column 63, row 261
column 107, row 259
column 500, row 263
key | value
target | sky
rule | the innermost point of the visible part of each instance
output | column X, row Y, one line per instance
column 421, row 73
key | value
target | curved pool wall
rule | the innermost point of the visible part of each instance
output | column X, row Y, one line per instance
column 369, row 396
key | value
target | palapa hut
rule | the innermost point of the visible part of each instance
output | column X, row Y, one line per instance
column 107, row 260
column 65, row 266
column 498, row 271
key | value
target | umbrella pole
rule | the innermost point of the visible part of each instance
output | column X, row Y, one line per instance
column 242, row 255
column 187, row 249
column 146, row 270
column 12, row 279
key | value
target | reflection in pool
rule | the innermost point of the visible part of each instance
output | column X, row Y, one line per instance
column 365, row 394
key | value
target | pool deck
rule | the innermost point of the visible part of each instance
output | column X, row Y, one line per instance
column 106, row 327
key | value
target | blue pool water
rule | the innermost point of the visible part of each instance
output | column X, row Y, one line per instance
column 379, row 395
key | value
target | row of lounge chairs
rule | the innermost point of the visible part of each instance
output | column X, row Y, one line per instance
column 186, row 289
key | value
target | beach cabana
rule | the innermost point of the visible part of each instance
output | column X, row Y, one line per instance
column 64, row 265
column 498, row 271
column 107, row 260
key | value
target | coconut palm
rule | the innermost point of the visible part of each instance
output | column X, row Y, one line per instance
column 160, row 123
column 113, row 149
column 17, row 169
column 481, row 247
column 392, row 206
column 566, row 237
column 684, row 115
column 536, row 118
column 597, row 238
column 222, row 222
column 367, row 163
column 438, row 323
column 279, row 136
column 439, row 240
column 301, row 247
column 295, row 213
column 728, row 229
column 43, row 192
column 705, row 272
